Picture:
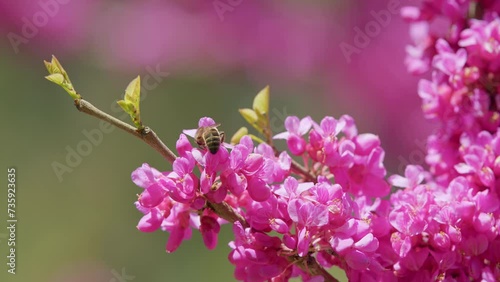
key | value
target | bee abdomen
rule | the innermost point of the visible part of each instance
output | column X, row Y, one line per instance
column 213, row 147
column 212, row 140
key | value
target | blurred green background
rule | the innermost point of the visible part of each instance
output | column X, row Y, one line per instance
column 82, row 227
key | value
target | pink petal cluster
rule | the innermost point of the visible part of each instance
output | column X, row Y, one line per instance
column 447, row 220
column 176, row 200
column 462, row 94
column 335, row 149
column 445, row 232
column 441, row 223
column 320, row 218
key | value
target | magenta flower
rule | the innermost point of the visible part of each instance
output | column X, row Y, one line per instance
column 209, row 228
column 248, row 171
column 181, row 182
column 482, row 40
column 179, row 224
column 419, row 56
column 269, row 215
column 478, row 158
column 291, row 188
column 450, row 62
column 255, row 255
column 295, row 130
column 151, row 220
column 414, row 175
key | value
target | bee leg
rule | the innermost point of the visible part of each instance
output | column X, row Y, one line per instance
column 221, row 134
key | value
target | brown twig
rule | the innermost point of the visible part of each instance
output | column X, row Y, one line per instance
column 299, row 169
column 146, row 134
column 309, row 265
column 225, row 211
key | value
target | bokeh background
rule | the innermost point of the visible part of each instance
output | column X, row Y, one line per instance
column 218, row 55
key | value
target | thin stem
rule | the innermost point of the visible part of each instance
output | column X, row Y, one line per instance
column 225, row 211
column 146, row 134
column 299, row 169
column 309, row 265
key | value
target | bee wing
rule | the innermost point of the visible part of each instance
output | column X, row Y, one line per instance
column 228, row 146
column 190, row 132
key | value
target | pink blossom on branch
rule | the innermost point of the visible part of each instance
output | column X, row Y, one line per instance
column 440, row 224
column 319, row 217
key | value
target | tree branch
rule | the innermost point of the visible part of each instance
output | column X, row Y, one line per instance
column 299, row 169
column 309, row 265
column 225, row 211
column 146, row 134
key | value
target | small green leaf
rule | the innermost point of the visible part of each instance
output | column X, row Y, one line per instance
column 261, row 108
column 238, row 135
column 252, row 118
column 249, row 115
column 127, row 106
column 132, row 98
column 50, row 68
column 58, row 75
column 57, row 78
column 257, row 139
column 133, row 91
column 59, row 67
column 261, row 102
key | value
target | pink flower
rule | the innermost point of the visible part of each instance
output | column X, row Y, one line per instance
column 269, row 215
column 280, row 166
column 366, row 175
column 151, row 221
column 306, row 213
column 181, row 182
column 414, row 175
column 255, row 255
column 209, row 228
column 248, row 171
column 178, row 224
column 482, row 40
column 449, row 62
column 295, row 130
column 419, row 56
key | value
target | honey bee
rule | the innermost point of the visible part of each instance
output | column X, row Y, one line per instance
column 209, row 137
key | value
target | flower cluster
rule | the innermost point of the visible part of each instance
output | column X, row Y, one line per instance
column 335, row 207
column 462, row 94
column 444, row 232
column 335, row 221
column 447, row 220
